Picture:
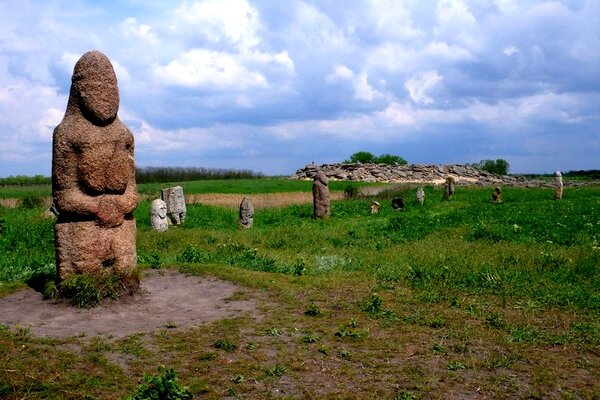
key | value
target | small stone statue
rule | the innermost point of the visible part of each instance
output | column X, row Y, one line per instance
column 246, row 213
column 558, row 191
column 375, row 206
column 320, row 189
column 176, row 210
column 497, row 195
column 93, row 177
column 420, row 196
column 398, row 203
column 158, row 216
column 449, row 188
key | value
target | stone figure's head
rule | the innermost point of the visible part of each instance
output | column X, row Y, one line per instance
column 94, row 87
column 321, row 177
column 557, row 174
column 159, row 208
column 497, row 190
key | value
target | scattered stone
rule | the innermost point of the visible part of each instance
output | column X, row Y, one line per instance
column 158, row 215
column 176, row 210
column 375, row 206
column 449, row 188
column 246, row 213
column 497, row 195
column 420, row 196
column 320, row 189
column 398, row 203
column 93, row 177
column 558, row 191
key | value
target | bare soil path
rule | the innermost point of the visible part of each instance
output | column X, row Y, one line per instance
column 167, row 299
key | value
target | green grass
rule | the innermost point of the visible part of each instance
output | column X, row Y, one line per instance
column 436, row 299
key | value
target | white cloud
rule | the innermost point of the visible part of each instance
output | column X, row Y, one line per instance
column 132, row 29
column 509, row 51
column 235, row 21
column 209, row 69
column 362, row 89
column 419, row 85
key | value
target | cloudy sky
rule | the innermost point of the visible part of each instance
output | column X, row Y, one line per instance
column 273, row 85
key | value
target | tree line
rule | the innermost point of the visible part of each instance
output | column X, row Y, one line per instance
column 151, row 175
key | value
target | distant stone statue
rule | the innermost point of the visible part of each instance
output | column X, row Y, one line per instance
column 497, row 195
column 158, row 216
column 375, row 207
column 420, row 196
column 246, row 213
column 176, row 210
column 93, row 176
column 449, row 188
column 398, row 203
column 320, row 189
column 558, row 191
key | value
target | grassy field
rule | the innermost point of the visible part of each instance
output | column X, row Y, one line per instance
column 454, row 299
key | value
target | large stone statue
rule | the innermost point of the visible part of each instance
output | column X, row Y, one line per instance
column 93, row 176
column 558, row 191
column 246, row 213
column 158, row 216
column 175, row 200
column 320, row 189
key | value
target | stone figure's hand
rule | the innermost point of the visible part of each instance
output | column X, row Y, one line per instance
column 109, row 212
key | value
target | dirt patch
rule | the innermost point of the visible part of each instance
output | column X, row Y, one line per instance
column 266, row 200
column 167, row 299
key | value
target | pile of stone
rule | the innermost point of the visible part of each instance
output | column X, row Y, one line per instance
column 415, row 173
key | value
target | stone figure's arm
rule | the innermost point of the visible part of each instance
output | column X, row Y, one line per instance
column 68, row 196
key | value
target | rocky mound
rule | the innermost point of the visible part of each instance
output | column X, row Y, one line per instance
column 415, row 173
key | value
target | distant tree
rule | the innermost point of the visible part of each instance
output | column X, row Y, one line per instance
column 362, row 157
column 390, row 159
column 499, row 166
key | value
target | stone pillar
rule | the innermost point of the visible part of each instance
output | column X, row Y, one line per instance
column 398, row 203
column 558, row 191
column 497, row 195
column 158, row 216
column 420, row 196
column 175, row 200
column 320, row 189
column 93, row 177
column 375, row 206
column 449, row 188
column 246, row 213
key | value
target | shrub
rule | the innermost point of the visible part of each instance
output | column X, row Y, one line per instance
column 162, row 386
column 87, row 291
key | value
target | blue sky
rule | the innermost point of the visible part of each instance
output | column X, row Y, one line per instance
column 274, row 85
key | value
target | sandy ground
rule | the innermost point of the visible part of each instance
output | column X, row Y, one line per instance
column 264, row 200
column 168, row 298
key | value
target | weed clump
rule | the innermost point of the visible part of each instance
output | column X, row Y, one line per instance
column 87, row 291
column 161, row 386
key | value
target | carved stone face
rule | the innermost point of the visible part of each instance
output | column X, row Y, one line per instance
column 162, row 210
column 95, row 85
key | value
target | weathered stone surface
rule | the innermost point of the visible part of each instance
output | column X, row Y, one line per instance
column 497, row 195
column 449, row 188
column 246, row 213
column 398, row 203
column 375, row 207
column 320, row 189
column 420, row 196
column 417, row 174
column 158, row 216
column 93, row 176
column 558, row 191
column 176, row 210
